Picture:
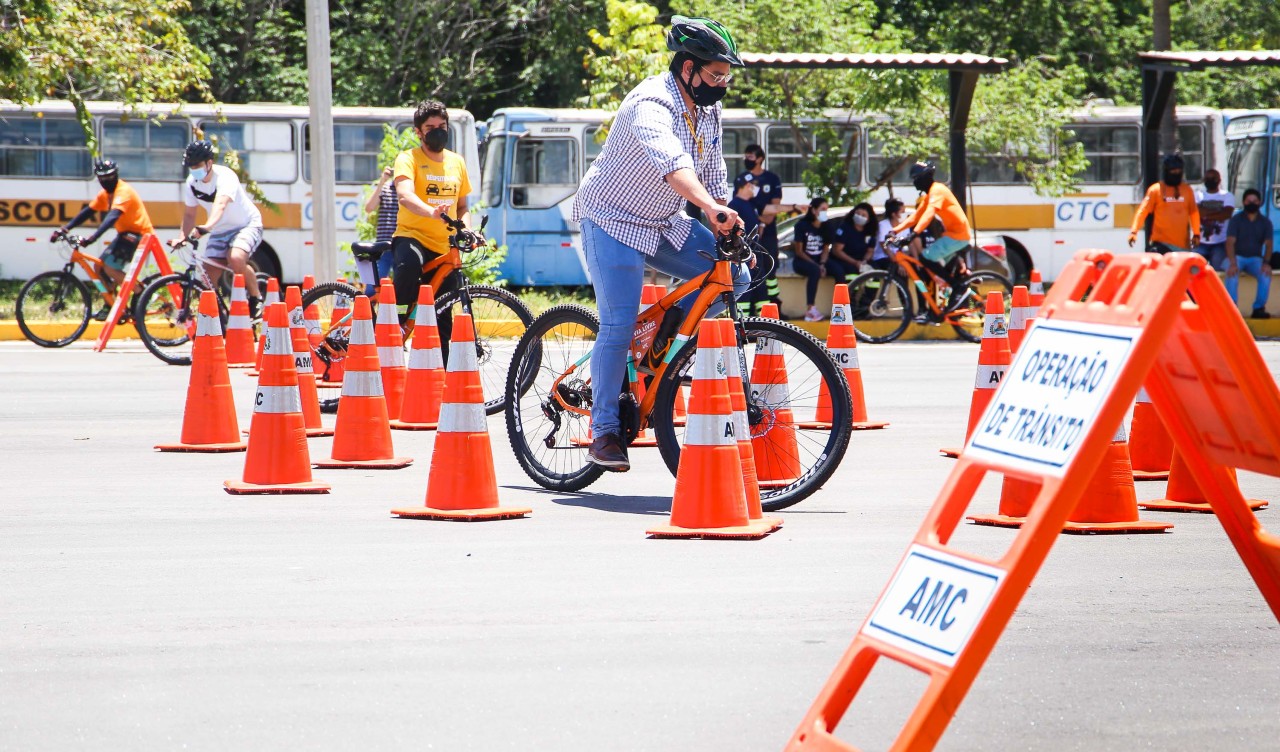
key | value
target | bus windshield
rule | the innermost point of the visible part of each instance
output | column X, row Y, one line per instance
column 1246, row 166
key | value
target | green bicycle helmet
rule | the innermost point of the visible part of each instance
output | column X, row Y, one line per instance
column 702, row 38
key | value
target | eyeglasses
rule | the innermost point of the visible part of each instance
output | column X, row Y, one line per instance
column 719, row 79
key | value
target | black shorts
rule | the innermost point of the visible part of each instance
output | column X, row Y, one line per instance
column 121, row 250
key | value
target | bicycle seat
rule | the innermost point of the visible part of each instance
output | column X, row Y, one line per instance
column 369, row 251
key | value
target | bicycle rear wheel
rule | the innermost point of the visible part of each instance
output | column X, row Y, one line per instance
column 967, row 320
column 551, row 373
column 58, row 304
column 500, row 320
column 881, row 305
column 166, row 316
column 792, row 463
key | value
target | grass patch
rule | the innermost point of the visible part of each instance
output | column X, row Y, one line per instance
column 9, row 297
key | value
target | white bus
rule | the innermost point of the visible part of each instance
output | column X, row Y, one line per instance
column 46, row 173
column 535, row 158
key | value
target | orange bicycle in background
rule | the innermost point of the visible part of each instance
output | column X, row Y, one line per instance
column 885, row 302
column 549, row 394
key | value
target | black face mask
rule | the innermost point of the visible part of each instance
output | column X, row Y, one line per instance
column 750, row 163
column 436, row 139
column 109, row 184
column 1252, row 208
column 922, row 183
column 704, row 94
column 1172, row 178
column 1212, row 185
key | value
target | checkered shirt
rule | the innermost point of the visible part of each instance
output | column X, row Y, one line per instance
column 388, row 211
column 625, row 191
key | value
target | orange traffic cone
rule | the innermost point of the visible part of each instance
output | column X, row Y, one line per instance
column 1152, row 446
column 303, row 362
column 391, row 349
column 1108, row 504
column 278, row 460
column 424, row 388
column 993, row 361
column 272, row 296
column 1035, row 292
column 741, row 427
column 311, row 315
column 362, row 438
column 1020, row 314
column 777, row 453
column 710, row 500
column 240, row 352
column 681, row 410
column 462, row 484
column 339, row 329
column 209, row 421
column 1183, row 494
column 842, row 343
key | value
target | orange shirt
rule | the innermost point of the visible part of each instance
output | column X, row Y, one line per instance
column 940, row 202
column 133, row 213
column 1175, row 214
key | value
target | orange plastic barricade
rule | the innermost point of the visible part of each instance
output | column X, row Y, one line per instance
column 1052, row 422
column 148, row 248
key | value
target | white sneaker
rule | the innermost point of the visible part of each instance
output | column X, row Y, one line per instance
column 813, row 314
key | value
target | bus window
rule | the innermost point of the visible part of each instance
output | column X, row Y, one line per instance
column 146, row 150
column 34, row 147
column 545, row 172
column 266, row 147
column 878, row 162
column 1191, row 143
column 356, row 147
column 789, row 157
column 1112, row 151
column 590, row 148
column 1246, row 166
column 494, row 151
column 736, row 139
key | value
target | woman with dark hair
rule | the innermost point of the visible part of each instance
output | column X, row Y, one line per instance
column 855, row 238
column 812, row 249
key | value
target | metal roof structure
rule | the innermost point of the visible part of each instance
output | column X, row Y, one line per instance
column 1199, row 60
column 963, row 68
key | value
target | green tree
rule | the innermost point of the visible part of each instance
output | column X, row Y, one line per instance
column 632, row 48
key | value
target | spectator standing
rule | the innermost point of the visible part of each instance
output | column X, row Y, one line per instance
column 1249, row 246
column 766, row 189
column 744, row 189
column 813, row 254
column 1216, row 207
column 385, row 201
column 1172, row 206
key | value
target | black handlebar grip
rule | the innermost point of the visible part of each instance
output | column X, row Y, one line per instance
column 722, row 217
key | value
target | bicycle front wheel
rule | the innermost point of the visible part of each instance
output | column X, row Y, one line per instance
column 53, row 309
column 881, row 306
column 967, row 320
column 166, row 317
column 791, row 463
column 500, row 320
column 548, row 399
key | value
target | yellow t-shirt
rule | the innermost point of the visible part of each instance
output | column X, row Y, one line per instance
column 437, row 184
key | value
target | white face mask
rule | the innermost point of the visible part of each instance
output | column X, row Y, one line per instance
column 822, row 216
column 859, row 220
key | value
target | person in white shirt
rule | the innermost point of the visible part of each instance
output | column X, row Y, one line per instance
column 1216, row 207
column 232, row 222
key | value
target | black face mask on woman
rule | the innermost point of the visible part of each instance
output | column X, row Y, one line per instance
column 436, row 138
column 704, row 94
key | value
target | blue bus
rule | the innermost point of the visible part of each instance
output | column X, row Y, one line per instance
column 1253, row 160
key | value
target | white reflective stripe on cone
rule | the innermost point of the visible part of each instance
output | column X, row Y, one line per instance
column 279, row 342
column 1142, row 395
column 208, row 326
column 238, row 322
column 362, row 332
column 708, row 364
column 238, row 295
column 426, row 316
column 313, row 326
column 768, row 346
column 989, row 376
column 846, row 357
column 772, row 395
column 841, row 313
column 391, row 357
column 710, row 430
column 277, row 399
column 462, row 357
column 272, row 297
column 302, row 363
column 362, row 384
column 461, row 418
column 1018, row 318
column 387, row 313
column 425, row 359
column 296, row 319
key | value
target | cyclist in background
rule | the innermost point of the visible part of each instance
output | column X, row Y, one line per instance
column 124, row 211
column 665, row 149
column 430, row 181
column 937, row 202
column 232, row 222
column 1172, row 205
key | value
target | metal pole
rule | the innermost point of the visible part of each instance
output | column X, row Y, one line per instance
column 320, row 97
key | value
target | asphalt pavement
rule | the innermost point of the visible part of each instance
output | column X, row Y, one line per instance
column 141, row 607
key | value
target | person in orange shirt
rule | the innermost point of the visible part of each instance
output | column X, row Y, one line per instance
column 940, row 204
column 124, row 211
column 1172, row 204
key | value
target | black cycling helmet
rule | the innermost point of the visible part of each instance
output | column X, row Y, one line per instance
column 1172, row 161
column 105, row 168
column 197, row 152
column 922, row 175
column 704, row 39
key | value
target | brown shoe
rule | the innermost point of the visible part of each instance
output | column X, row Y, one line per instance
column 608, row 452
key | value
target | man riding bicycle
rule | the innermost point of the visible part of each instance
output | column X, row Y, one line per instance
column 232, row 222
column 665, row 148
column 124, row 211
column 938, row 203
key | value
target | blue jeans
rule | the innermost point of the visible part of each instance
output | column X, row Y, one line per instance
column 385, row 262
column 617, row 273
column 1215, row 253
column 1251, row 265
